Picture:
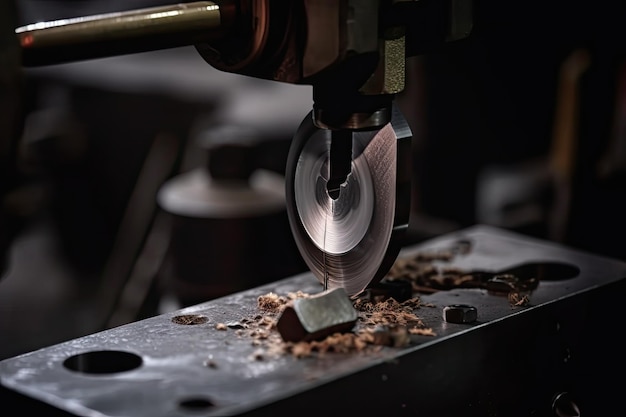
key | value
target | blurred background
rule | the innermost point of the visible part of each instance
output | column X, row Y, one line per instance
column 137, row 184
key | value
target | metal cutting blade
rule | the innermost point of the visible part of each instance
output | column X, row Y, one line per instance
column 352, row 240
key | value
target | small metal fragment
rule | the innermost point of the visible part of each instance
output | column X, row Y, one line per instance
column 460, row 313
column 503, row 283
column 400, row 290
column 314, row 318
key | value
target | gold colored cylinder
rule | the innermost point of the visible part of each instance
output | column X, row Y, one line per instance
column 118, row 33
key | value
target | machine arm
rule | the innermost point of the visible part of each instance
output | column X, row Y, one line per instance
column 348, row 170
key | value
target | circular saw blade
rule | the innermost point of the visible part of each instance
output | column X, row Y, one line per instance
column 351, row 241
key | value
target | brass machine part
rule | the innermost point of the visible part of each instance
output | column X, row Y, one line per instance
column 351, row 51
column 119, row 33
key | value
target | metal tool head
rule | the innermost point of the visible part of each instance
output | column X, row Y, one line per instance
column 350, row 240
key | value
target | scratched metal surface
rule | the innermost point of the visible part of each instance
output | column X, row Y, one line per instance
column 173, row 357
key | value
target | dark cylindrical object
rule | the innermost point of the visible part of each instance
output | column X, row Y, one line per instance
column 230, row 230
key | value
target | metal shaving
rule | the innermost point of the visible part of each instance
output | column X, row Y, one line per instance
column 430, row 272
column 380, row 323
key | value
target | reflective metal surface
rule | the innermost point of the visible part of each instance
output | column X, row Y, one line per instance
column 350, row 241
column 109, row 34
column 511, row 361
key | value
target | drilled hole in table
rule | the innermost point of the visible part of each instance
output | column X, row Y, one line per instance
column 196, row 404
column 189, row 319
column 546, row 271
column 103, row 362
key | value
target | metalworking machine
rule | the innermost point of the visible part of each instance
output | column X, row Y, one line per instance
column 348, row 172
column 508, row 339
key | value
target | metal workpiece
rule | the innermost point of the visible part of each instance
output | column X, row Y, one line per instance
column 318, row 316
column 460, row 313
column 118, row 33
column 513, row 361
column 352, row 239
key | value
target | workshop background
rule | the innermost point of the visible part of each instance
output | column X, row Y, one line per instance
column 521, row 126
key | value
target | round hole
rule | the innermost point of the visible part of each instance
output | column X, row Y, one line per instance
column 196, row 404
column 189, row 319
column 546, row 271
column 103, row 362
column 463, row 246
column 557, row 271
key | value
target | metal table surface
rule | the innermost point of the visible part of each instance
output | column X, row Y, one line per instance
column 514, row 360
